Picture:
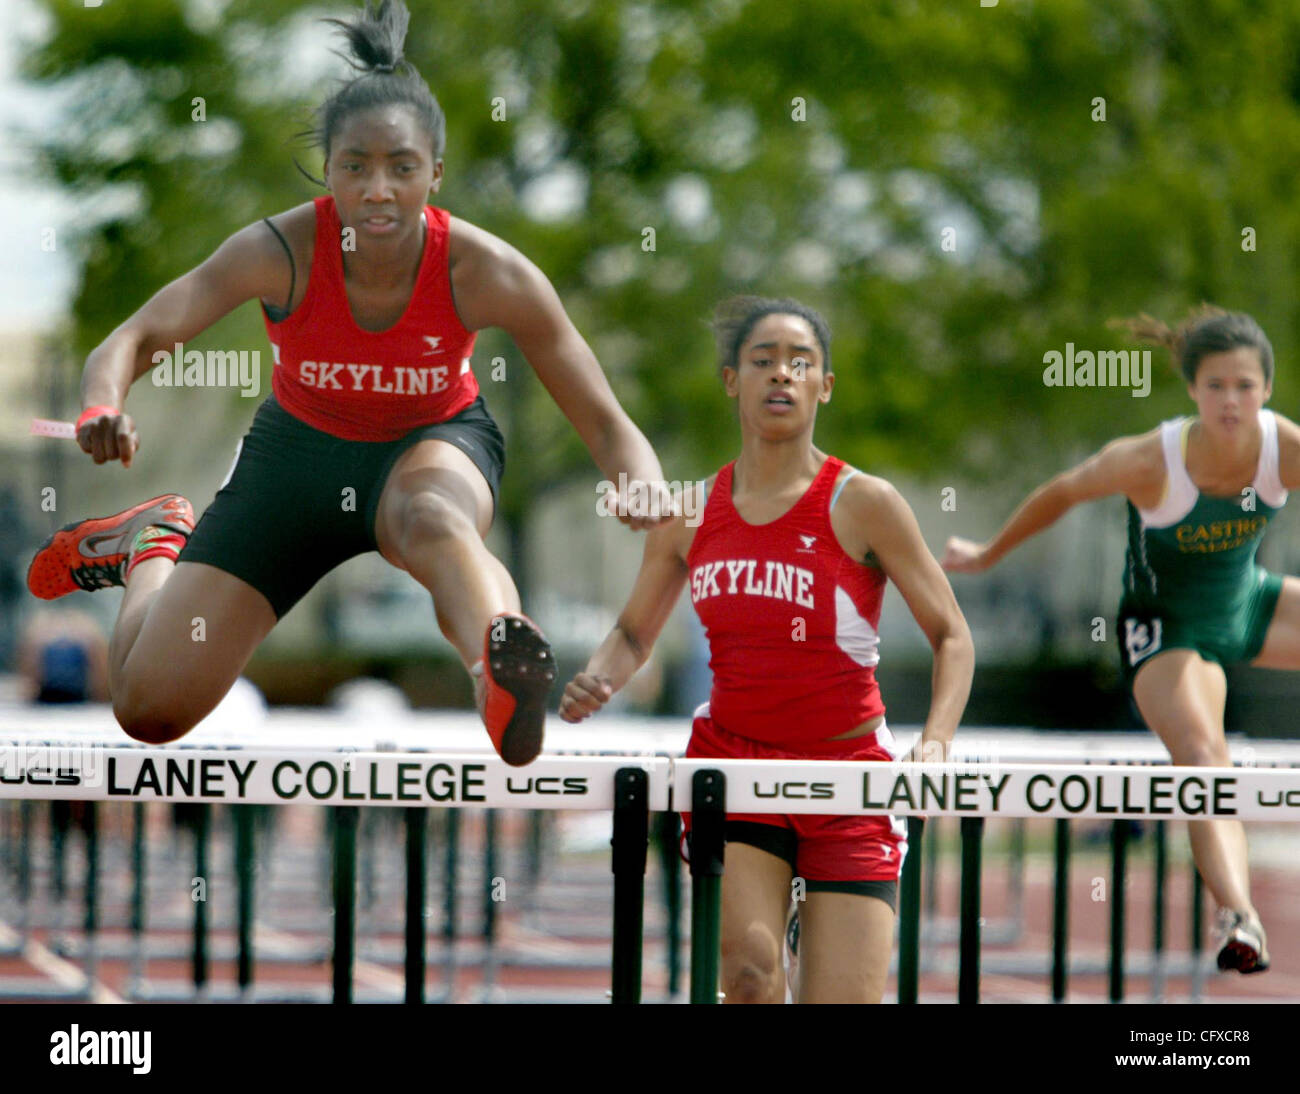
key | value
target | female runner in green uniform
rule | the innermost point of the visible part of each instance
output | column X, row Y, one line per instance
column 1201, row 491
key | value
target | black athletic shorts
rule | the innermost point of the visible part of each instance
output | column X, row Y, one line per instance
column 298, row 502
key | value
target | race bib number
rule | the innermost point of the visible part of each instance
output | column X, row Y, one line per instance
column 1141, row 639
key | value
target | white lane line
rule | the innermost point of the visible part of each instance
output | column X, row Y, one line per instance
column 65, row 974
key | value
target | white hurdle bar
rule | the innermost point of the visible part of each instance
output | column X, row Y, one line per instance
column 73, row 766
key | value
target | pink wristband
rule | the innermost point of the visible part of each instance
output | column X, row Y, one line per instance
column 95, row 412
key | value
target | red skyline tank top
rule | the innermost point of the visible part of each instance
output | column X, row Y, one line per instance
column 366, row 385
column 791, row 619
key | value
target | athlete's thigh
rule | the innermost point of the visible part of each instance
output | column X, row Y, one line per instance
column 1181, row 697
column 431, row 466
column 755, row 900
column 1281, row 649
column 201, row 629
column 845, row 940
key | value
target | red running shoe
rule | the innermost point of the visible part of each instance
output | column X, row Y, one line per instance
column 94, row 554
column 518, row 673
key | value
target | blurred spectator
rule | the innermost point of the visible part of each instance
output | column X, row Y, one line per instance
column 13, row 540
column 63, row 658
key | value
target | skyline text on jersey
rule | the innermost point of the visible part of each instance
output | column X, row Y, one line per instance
column 387, row 380
column 780, row 580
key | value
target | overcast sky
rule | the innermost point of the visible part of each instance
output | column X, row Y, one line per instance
column 34, row 284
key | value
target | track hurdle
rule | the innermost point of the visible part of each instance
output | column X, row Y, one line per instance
column 971, row 792
column 629, row 786
column 349, row 787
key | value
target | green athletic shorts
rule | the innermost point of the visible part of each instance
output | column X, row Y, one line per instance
column 1225, row 637
column 298, row 502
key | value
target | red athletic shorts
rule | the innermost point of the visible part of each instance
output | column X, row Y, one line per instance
column 826, row 851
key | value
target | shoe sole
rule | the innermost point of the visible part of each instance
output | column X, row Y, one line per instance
column 1243, row 958
column 126, row 515
column 523, row 665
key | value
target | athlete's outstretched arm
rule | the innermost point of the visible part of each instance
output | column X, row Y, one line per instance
column 245, row 266
column 628, row 645
column 894, row 537
column 1129, row 465
column 496, row 286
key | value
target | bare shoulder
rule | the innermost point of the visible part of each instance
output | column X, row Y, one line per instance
column 249, row 263
column 1140, row 460
column 298, row 227
column 868, row 509
column 489, row 277
column 471, row 249
column 1133, row 466
column 869, row 496
column 1288, row 433
column 1288, row 451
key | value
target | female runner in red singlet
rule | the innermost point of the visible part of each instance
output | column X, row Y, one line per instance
column 786, row 570
column 374, row 437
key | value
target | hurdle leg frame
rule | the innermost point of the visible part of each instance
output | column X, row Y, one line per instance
column 628, row 860
column 417, row 823
column 968, row 975
column 1198, row 935
column 491, row 866
column 24, row 871
column 1160, row 867
column 139, row 896
column 90, row 830
column 667, row 835
column 345, row 899
column 708, row 842
column 1119, row 835
column 245, row 859
column 451, row 878
column 201, row 819
column 909, row 909
column 1060, row 908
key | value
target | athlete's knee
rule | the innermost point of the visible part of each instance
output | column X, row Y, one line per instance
column 752, row 971
column 152, row 719
column 430, row 515
column 749, row 983
column 153, row 729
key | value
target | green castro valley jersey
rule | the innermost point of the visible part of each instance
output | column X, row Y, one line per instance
column 1203, row 564
column 1191, row 580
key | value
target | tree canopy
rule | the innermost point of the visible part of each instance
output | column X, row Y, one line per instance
column 960, row 189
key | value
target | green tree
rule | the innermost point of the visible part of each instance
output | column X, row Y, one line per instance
column 818, row 152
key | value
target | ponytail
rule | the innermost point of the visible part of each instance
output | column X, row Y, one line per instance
column 1205, row 330
column 376, row 38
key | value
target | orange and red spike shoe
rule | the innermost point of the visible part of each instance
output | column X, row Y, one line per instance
column 518, row 673
column 96, row 553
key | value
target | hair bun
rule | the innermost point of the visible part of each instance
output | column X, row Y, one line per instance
column 375, row 36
